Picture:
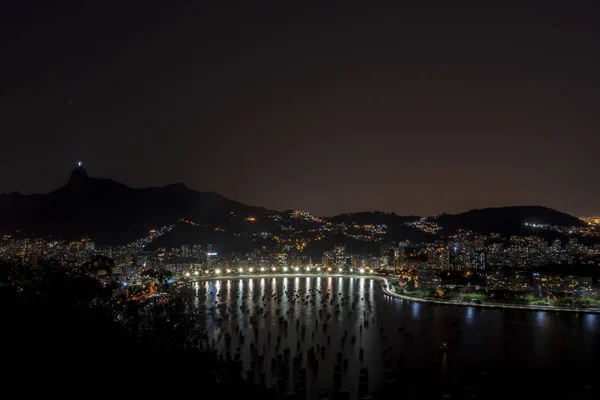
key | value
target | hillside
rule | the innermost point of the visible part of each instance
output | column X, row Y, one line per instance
column 506, row 220
column 112, row 213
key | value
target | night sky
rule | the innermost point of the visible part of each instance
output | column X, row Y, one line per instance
column 337, row 109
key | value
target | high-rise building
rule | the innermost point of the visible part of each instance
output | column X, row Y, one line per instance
column 282, row 260
column 210, row 256
column 384, row 263
column 477, row 260
column 574, row 245
column 339, row 256
column 329, row 259
column 444, row 259
column 428, row 279
column 495, row 280
column 399, row 258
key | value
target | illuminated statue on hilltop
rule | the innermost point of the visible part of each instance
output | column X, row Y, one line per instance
column 78, row 175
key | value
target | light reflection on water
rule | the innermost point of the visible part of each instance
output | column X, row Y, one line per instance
column 469, row 314
column 540, row 317
column 590, row 322
column 382, row 326
column 416, row 309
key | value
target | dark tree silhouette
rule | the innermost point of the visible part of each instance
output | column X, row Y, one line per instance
column 54, row 329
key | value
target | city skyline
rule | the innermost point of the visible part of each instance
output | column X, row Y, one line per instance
column 408, row 110
column 341, row 200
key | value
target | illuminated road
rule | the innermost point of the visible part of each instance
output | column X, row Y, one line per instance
column 386, row 290
column 488, row 305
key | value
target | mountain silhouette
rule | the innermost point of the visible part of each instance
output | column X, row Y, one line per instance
column 113, row 213
column 506, row 220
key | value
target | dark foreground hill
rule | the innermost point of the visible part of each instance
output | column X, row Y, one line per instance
column 62, row 328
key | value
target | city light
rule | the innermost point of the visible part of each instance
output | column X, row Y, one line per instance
column 486, row 261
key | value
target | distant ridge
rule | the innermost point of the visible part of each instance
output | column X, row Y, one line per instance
column 113, row 213
column 506, row 220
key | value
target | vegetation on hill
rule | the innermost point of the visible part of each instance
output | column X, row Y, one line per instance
column 60, row 331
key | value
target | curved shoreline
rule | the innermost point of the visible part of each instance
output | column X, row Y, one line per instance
column 488, row 305
column 385, row 289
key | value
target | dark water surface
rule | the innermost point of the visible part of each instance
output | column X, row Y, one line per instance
column 491, row 353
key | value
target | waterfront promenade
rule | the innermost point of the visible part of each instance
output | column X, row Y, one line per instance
column 388, row 290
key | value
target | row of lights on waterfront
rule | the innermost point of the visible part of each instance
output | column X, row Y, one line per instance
column 264, row 269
